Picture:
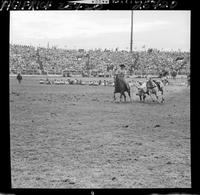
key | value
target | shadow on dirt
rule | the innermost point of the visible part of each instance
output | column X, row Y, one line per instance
column 140, row 102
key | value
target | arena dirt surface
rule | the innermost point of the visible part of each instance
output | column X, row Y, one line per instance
column 73, row 136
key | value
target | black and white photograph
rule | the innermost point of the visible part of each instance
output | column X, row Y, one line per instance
column 100, row 99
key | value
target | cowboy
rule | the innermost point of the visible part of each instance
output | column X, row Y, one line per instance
column 120, row 84
column 121, row 72
column 150, row 84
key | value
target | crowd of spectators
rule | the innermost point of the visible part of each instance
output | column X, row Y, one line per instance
column 40, row 60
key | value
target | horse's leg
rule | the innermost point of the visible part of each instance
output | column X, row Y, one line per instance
column 144, row 96
column 157, row 97
column 140, row 97
column 162, row 94
column 129, row 94
column 114, row 96
column 124, row 97
column 156, row 94
column 120, row 97
column 151, row 96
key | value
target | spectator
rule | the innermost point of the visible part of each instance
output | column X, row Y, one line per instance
column 19, row 78
column 34, row 60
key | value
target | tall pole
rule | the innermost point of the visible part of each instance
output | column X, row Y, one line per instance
column 131, row 43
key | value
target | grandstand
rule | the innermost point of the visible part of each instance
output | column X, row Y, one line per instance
column 40, row 60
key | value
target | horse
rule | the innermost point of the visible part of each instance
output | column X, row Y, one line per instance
column 155, row 86
column 121, row 87
column 141, row 90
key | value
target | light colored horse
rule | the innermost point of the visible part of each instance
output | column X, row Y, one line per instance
column 142, row 89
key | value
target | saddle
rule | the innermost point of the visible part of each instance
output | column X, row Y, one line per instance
column 120, row 83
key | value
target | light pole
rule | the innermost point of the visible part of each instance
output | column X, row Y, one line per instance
column 131, row 42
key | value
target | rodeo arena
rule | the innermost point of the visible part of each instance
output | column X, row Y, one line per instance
column 99, row 118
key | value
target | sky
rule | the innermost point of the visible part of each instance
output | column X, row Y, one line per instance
column 163, row 30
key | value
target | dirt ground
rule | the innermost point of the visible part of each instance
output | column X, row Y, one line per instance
column 73, row 136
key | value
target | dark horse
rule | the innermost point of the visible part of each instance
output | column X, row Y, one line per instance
column 121, row 87
column 19, row 78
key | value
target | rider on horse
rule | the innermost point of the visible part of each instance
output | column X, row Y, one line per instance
column 121, row 85
column 121, row 72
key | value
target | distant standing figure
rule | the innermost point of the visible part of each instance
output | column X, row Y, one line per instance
column 19, row 78
column 188, row 79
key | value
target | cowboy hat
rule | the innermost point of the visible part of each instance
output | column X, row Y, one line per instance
column 122, row 65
